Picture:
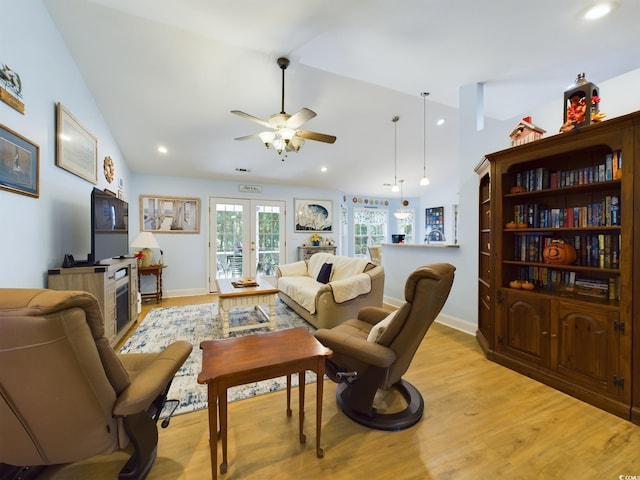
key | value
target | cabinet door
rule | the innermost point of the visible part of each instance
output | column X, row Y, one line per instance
column 585, row 345
column 523, row 326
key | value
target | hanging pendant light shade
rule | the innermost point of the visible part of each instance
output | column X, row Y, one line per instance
column 401, row 213
column 425, row 180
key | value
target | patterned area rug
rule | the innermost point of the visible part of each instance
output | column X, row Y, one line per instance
column 196, row 323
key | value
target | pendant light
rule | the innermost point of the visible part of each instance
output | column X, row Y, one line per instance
column 424, row 181
column 401, row 213
column 394, row 187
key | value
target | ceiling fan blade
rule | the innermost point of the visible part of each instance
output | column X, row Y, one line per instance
column 300, row 117
column 252, row 118
column 318, row 137
column 247, row 137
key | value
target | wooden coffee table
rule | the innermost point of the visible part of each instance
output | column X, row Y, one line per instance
column 235, row 361
column 232, row 297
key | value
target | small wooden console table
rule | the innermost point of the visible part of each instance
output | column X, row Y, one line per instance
column 152, row 270
column 235, row 361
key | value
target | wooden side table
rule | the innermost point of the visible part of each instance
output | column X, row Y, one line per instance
column 152, row 270
column 252, row 358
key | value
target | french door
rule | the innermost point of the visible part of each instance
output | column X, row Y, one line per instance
column 247, row 237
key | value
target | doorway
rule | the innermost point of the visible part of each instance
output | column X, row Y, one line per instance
column 247, row 237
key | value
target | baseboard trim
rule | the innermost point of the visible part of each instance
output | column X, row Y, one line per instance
column 448, row 320
column 184, row 293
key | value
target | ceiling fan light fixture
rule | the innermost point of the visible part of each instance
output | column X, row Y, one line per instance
column 279, row 144
column 267, row 138
column 286, row 134
column 395, row 188
column 296, row 142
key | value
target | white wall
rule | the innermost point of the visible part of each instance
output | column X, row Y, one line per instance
column 37, row 232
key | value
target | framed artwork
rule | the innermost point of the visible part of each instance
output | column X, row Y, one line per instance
column 19, row 163
column 313, row 215
column 76, row 147
column 160, row 214
column 434, row 220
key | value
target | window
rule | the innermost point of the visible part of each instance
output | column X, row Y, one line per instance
column 406, row 226
column 370, row 228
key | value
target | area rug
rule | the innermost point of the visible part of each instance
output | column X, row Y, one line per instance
column 196, row 323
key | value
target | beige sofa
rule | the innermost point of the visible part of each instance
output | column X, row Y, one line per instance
column 353, row 284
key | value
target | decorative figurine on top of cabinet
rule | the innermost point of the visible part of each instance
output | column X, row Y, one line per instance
column 581, row 105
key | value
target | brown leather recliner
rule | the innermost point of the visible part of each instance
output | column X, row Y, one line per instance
column 371, row 355
column 65, row 395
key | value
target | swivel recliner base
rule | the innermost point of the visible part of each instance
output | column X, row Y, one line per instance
column 380, row 421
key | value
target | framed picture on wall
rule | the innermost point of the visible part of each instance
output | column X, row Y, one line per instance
column 19, row 163
column 313, row 215
column 160, row 214
column 76, row 147
column 434, row 222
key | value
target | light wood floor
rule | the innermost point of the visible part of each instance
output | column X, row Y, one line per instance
column 482, row 421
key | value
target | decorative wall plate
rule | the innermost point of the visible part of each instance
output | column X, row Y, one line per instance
column 109, row 169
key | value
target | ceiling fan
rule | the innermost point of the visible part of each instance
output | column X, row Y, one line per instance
column 285, row 135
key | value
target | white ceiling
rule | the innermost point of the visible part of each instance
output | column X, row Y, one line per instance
column 170, row 71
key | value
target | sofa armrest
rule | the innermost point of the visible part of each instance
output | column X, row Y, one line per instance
column 291, row 269
column 151, row 379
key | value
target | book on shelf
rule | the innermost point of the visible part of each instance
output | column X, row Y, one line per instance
column 592, row 287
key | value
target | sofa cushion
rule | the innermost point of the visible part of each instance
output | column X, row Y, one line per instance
column 350, row 288
column 379, row 328
column 302, row 289
column 325, row 273
column 292, row 269
column 347, row 267
column 315, row 262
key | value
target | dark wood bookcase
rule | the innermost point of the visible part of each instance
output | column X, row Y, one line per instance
column 576, row 330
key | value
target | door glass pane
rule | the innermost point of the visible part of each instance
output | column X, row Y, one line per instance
column 268, row 219
column 229, row 248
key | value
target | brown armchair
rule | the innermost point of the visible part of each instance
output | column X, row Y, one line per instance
column 372, row 352
column 65, row 395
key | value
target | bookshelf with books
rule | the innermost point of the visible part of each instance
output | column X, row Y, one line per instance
column 567, row 321
column 485, row 305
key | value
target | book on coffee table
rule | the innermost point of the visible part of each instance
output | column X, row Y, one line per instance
column 244, row 282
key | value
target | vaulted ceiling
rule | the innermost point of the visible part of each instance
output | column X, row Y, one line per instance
column 168, row 72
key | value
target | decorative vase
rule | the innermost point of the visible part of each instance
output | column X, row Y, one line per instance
column 316, row 243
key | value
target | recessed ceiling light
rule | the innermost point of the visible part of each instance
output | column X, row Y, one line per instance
column 162, row 149
column 598, row 11
column 440, row 122
column 323, row 169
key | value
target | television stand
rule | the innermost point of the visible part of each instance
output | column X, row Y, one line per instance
column 115, row 285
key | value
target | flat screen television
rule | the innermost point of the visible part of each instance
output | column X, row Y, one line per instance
column 109, row 226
